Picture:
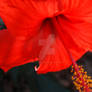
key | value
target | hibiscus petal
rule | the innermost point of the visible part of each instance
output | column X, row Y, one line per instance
column 12, row 51
column 58, row 50
column 32, row 38
column 78, row 24
column 76, row 36
column 23, row 19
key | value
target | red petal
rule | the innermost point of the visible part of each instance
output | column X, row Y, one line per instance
column 58, row 50
column 13, row 51
column 76, row 34
column 24, row 18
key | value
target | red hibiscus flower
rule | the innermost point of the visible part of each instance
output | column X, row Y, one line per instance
column 51, row 31
column 55, row 32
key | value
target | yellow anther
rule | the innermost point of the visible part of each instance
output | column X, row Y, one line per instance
column 78, row 82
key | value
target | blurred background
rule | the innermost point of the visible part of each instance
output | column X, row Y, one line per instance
column 24, row 78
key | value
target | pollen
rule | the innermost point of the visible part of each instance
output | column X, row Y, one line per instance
column 82, row 85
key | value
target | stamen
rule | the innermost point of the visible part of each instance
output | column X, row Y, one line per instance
column 85, row 86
